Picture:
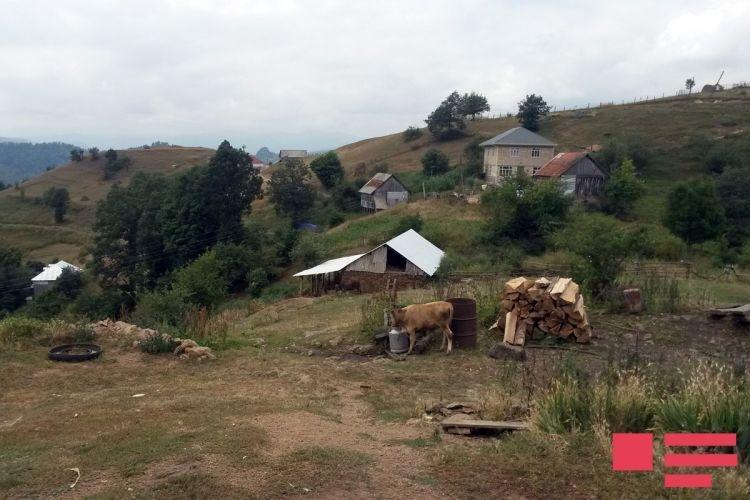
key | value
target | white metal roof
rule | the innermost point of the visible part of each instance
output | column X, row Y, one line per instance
column 417, row 250
column 53, row 271
column 330, row 266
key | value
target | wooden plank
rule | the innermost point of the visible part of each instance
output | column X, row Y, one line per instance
column 487, row 424
column 510, row 327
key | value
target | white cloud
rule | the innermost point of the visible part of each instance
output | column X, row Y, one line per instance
column 322, row 72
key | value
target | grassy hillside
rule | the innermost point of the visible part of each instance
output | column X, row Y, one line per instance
column 28, row 225
column 666, row 125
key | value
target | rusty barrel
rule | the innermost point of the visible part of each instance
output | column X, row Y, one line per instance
column 464, row 323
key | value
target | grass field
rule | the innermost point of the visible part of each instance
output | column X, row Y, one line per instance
column 289, row 411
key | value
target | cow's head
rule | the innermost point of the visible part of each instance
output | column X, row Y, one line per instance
column 397, row 315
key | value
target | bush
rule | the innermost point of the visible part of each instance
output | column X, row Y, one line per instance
column 524, row 212
column 157, row 344
column 345, row 197
column 658, row 242
column 412, row 133
column 20, row 328
column 406, row 222
column 99, row 304
column 435, row 162
column 308, row 250
column 599, row 246
column 158, row 310
column 694, row 212
column 623, row 189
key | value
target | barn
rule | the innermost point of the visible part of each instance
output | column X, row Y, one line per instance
column 579, row 173
column 382, row 192
column 409, row 259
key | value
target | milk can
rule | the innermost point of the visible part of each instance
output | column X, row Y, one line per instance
column 398, row 341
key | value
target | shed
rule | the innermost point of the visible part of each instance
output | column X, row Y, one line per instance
column 383, row 191
column 578, row 172
column 408, row 258
column 286, row 154
column 49, row 275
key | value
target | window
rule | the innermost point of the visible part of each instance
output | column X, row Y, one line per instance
column 535, row 153
column 505, row 171
column 514, row 153
column 535, row 170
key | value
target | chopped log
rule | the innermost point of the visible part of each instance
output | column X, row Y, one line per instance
column 504, row 350
column 559, row 287
column 570, row 294
column 542, row 282
column 633, row 300
column 511, row 319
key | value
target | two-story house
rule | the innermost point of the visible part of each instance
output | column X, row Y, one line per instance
column 514, row 151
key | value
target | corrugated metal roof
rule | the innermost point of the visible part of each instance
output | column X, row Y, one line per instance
column 53, row 271
column 518, row 136
column 417, row 250
column 330, row 266
column 374, row 183
column 560, row 164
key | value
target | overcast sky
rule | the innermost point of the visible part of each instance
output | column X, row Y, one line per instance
column 318, row 74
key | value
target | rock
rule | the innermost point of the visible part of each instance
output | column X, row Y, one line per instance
column 366, row 349
column 502, row 350
column 335, row 342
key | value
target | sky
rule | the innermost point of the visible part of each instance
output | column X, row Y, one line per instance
column 320, row 74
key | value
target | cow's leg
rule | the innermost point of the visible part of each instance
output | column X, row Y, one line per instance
column 442, row 344
column 447, row 333
column 412, row 338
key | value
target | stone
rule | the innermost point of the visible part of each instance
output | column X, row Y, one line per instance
column 633, row 300
column 503, row 350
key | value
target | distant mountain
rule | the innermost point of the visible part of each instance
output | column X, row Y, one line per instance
column 266, row 155
column 23, row 160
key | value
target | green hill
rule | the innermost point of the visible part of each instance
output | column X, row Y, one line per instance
column 29, row 226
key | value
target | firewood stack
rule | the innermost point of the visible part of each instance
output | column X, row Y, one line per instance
column 554, row 307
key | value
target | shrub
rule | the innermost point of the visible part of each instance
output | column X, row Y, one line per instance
column 435, row 162
column 408, row 221
column 694, row 212
column 599, row 246
column 308, row 250
column 157, row 344
column 657, row 242
column 623, row 189
column 20, row 328
column 524, row 212
column 278, row 291
column 99, row 304
column 412, row 133
column 345, row 197
column 159, row 309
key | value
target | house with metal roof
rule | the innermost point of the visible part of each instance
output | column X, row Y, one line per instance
column 578, row 171
column 49, row 275
column 515, row 151
column 409, row 259
column 381, row 192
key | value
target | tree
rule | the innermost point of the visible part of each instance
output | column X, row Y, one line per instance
column 435, row 162
column 327, row 167
column 110, row 155
column 733, row 188
column 474, row 154
column 412, row 133
column 205, row 205
column 721, row 156
column 76, row 154
column 57, row 199
column 94, row 153
column 530, row 110
column 447, row 122
column 694, row 212
column 308, row 250
column 474, row 104
column 689, row 84
column 14, row 277
column 345, row 197
column 69, row 284
column 623, row 189
column 290, row 190
column 599, row 246
column 522, row 211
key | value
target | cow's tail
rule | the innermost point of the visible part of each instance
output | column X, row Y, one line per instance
column 450, row 313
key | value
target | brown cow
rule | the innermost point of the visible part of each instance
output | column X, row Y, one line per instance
column 425, row 317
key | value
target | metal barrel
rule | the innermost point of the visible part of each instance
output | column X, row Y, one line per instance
column 464, row 323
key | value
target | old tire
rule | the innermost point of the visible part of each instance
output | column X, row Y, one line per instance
column 74, row 353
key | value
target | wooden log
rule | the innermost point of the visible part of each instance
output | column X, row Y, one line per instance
column 570, row 294
column 559, row 287
column 511, row 319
